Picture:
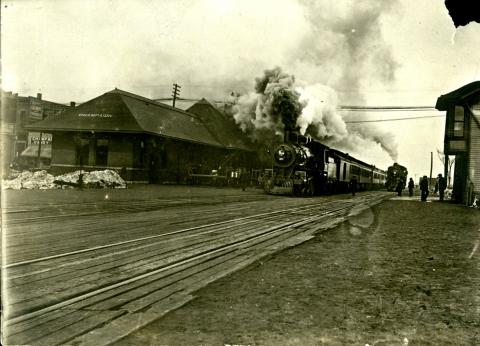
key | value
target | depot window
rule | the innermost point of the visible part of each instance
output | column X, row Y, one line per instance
column 459, row 122
column 91, row 151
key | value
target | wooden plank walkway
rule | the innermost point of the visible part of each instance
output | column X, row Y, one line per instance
column 97, row 297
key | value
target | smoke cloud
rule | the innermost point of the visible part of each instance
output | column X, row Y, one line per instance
column 273, row 107
column 279, row 104
column 342, row 54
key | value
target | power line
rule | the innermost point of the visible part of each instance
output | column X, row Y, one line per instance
column 394, row 119
column 343, row 108
column 386, row 108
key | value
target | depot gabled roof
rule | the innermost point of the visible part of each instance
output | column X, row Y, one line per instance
column 457, row 96
column 121, row 111
column 221, row 127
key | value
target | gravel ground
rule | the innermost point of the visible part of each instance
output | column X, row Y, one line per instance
column 402, row 273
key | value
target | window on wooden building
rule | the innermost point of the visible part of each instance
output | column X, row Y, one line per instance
column 459, row 122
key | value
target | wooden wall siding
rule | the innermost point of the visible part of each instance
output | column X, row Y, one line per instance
column 474, row 153
column 120, row 152
column 63, row 148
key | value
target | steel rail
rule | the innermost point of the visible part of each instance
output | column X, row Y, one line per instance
column 70, row 301
column 118, row 206
column 40, row 259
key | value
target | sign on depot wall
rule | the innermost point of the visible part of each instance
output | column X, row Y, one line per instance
column 34, row 138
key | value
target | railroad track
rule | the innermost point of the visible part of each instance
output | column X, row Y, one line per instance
column 14, row 215
column 98, row 295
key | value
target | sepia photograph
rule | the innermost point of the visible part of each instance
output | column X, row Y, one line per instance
column 239, row 172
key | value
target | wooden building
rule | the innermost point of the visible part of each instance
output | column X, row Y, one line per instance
column 462, row 139
column 226, row 132
column 145, row 141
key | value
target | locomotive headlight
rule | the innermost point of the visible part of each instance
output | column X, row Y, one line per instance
column 284, row 155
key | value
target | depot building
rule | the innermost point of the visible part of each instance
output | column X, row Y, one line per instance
column 462, row 139
column 145, row 141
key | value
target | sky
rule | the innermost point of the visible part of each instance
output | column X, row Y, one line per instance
column 347, row 52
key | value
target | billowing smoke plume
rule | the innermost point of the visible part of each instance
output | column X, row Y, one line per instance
column 272, row 108
column 279, row 104
column 322, row 119
column 342, row 55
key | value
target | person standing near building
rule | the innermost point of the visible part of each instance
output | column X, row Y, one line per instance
column 244, row 178
column 411, row 185
column 442, row 185
column 424, row 188
column 353, row 185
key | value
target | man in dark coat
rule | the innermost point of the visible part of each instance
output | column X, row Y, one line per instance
column 442, row 185
column 424, row 188
column 411, row 185
column 353, row 185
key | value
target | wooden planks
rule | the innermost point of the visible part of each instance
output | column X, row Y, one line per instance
column 140, row 282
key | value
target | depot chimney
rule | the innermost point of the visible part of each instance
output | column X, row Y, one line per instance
column 72, row 104
column 39, row 96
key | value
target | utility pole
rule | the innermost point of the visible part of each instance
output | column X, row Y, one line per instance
column 431, row 164
column 39, row 160
column 176, row 92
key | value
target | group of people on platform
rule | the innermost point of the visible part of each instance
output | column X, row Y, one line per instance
column 440, row 187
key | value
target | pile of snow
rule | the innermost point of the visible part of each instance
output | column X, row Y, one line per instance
column 476, row 202
column 71, row 178
column 106, row 178
column 44, row 180
column 30, row 180
column 448, row 194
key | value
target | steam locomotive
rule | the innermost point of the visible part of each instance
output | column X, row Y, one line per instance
column 396, row 174
column 305, row 167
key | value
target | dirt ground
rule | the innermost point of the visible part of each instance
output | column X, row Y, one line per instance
column 402, row 273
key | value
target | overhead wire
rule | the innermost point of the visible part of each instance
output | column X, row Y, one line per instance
column 359, row 109
column 393, row 119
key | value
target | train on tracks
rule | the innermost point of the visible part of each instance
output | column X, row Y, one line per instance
column 396, row 174
column 305, row 167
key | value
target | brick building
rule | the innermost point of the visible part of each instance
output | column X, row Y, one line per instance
column 18, row 143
